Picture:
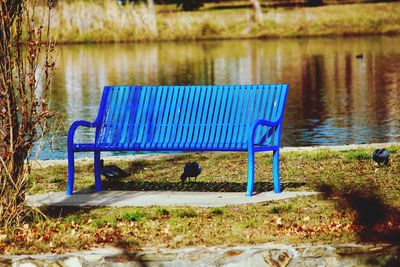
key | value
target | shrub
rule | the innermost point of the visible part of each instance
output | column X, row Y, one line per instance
column 26, row 64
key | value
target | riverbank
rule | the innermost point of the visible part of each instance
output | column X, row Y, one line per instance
column 89, row 22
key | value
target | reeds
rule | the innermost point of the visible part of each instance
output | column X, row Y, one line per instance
column 102, row 22
column 106, row 21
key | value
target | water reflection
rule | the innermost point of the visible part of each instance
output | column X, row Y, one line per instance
column 335, row 98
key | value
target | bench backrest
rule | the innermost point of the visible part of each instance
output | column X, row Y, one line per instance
column 186, row 117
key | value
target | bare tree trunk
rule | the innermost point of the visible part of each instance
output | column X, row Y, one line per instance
column 257, row 12
column 150, row 3
column 8, row 116
column 23, row 115
column 152, row 11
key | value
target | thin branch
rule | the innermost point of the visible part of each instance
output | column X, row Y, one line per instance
column 7, row 172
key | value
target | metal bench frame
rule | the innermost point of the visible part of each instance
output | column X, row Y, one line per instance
column 186, row 118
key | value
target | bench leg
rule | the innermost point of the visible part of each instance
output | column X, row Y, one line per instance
column 250, row 173
column 97, row 171
column 71, row 174
column 275, row 171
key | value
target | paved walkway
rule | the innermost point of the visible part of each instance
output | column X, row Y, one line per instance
column 157, row 198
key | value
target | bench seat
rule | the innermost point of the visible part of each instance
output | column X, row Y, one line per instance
column 159, row 147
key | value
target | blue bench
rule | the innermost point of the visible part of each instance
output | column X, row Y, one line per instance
column 185, row 118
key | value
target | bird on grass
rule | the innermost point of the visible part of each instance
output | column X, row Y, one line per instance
column 191, row 169
column 381, row 156
column 112, row 171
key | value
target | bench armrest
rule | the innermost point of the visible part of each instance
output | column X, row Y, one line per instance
column 74, row 126
column 261, row 122
column 264, row 123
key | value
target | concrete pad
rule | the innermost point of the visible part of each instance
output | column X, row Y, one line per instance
column 157, row 198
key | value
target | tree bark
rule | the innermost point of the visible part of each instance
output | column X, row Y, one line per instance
column 152, row 12
column 8, row 116
column 24, row 117
column 150, row 3
column 257, row 12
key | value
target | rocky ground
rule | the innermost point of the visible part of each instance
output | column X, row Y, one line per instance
column 259, row 255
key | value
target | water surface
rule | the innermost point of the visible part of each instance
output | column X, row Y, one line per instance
column 335, row 98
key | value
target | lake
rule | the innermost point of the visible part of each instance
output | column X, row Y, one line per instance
column 341, row 90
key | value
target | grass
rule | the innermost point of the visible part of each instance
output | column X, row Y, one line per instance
column 105, row 21
column 134, row 216
column 357, row 155
column 360, row 203
column 227, row 172
column 282, row 208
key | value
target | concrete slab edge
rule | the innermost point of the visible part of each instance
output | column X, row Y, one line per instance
column 157, row 198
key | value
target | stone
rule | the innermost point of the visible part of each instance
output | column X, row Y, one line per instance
column 119, row 264
column 252, row 257
column 262, row 255
column 30, row 262
column 234, row 264
column 198, row 256
column 54, row 264
column 376, row 249
column 119, row 258
column 316, row 262
column 25, row 264
column 93, row 258
column 152, row 257
column 232, row 253
column 277, row 257
column 314, row 252
column 72, row 262
column 351, row 249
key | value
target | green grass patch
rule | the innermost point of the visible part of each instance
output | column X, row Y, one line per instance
column 216, row 211
column 187, row 213
column 277, row 209
column 163, row 212
column 134, row 216
column 99, row 223
column 394, row 149
column 57, row 180
column 358, row 155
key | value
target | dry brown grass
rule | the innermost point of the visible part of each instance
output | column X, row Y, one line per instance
column 87, row 21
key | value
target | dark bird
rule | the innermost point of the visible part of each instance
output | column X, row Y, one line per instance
column 191, row 169
column 360, row 56
column 381, row 156
column 112, row 171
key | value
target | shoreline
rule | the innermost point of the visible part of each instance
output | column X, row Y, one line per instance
column 232, row 38
column 49, row 163
column 81, row 23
